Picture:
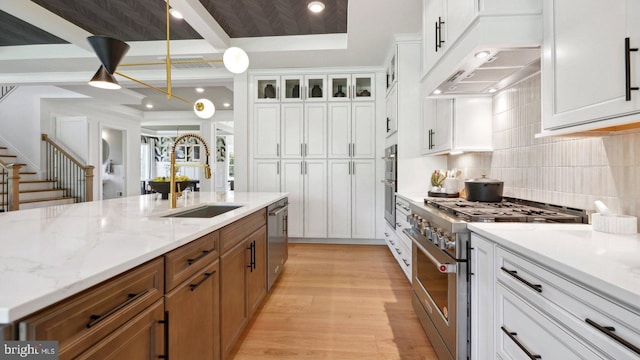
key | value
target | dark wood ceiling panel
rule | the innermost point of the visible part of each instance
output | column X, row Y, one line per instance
column 127, row 20
column 17, row 32
column 253, row 18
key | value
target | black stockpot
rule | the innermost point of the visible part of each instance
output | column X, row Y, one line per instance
column 484, row 189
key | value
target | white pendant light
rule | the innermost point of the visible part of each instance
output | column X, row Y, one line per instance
column 204, row 108
column 235, row 60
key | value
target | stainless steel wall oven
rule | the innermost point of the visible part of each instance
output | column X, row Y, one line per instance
column 390, row 184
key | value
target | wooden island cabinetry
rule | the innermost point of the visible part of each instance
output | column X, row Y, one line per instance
column 190, row 303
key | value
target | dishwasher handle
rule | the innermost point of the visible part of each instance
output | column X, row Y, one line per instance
column 277, row 211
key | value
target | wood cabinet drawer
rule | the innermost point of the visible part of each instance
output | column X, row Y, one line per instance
column 581, row 310
column 232, row 234
column 183, row 262
column 522, row 332
column 82, row 320
column 6, row 332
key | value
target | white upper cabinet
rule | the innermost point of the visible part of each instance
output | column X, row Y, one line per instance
column 266, row 136
column 315, row 88
column 293, row 88
column 351, row 130
column 290, row 88
column 292, row 130
column 587, row 70
column 266, row 89
column 315, row 131
column 351, row 87
column 462, row 124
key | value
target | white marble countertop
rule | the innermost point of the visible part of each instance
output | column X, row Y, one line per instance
column 606, row 263
column 51, row 253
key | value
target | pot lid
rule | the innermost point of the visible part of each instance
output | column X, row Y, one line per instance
column 483, row 180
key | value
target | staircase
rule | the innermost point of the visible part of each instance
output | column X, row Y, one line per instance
column 34, row 193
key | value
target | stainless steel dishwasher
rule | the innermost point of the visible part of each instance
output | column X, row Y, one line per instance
column 277, row 240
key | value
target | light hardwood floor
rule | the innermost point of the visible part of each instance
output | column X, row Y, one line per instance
column 337, row 302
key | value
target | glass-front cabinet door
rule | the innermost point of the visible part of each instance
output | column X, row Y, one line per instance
column 293, row 88
column 351, row 87
column 339, row 87
column 267, row 88
column 363, row 87
column 315, row 88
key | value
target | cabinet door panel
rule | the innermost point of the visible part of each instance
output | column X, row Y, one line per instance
column 142, row 338
column 460, row 13
column 339, row 130
column 257, row 274
column 193, row 311
column 363, row 191
column 339, row 199
column 573, row 49
column 315, row 131
column 428, row 124
column 233, row 296
column 266, row 134
column 363, row 130
column 293, row 183
column 444, row 125
column 292, row 130
column 266, row 175
column 482, row 289
column 315, row 201
column 432, row 9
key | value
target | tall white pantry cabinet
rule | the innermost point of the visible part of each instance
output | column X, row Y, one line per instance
column 313, row 136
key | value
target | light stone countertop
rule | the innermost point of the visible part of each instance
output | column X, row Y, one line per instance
column 605, row 263
column 51, row 253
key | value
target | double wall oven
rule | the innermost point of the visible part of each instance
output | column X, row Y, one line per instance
column 390, row 184
column 441, row 255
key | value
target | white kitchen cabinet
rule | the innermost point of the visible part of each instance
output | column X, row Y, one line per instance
column 543, row 310
column 351, row 87
column 584, row 73
column 266, row 124
column 482, row 289
column 351, row 130
column 289, row 88
column 266, row 175
column 266, row 89
column 293, row 182
column 304, row 130
column 392, row 111
column 315, row 198
column 456, row 125
column 351, row 199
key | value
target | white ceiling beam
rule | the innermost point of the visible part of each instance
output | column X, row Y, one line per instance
column 201, row 21
column 292, row 43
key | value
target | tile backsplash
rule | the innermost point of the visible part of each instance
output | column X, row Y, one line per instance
column 565, row 171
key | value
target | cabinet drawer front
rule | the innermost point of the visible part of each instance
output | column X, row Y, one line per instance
column 186, row 260
column 522, row 332
column 80, row 321
column 572, row 305
column 232, row 234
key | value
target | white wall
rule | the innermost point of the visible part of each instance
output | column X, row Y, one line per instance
column 20, row 125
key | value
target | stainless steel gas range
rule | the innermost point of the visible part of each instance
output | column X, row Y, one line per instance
column 441, row 287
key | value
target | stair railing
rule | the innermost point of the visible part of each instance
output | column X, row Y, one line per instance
column 70, row 175
column 10, row 186
column 5, row 90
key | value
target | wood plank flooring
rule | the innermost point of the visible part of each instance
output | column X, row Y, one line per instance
column 337, row 302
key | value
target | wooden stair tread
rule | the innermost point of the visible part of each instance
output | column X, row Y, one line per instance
column 9, row 156
column 36, row 191
column 46, row 200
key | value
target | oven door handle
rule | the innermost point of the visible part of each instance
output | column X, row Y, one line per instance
column 442, row 267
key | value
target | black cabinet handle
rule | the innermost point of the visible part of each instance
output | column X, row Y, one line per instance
column 431, row 142
column 165, row 322
column 514, row 273
column 203, row 254
column 436, row 42
column 193, row 287
column 609, row 331
column 512, row 336
column 388, row 121
column 131, row 298
column 440, row 41
column 627, row 62
column 252, row 261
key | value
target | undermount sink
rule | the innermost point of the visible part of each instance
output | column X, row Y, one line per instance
column 207, row 211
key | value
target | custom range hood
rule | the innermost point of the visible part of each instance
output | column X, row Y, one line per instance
column 490, row 70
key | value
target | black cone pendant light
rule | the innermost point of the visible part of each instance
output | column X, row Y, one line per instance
column 110, row 51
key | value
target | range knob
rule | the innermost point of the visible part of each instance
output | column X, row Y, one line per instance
column 434, row 235
column 447, row 243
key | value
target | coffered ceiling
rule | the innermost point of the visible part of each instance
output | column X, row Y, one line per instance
column 44, row 41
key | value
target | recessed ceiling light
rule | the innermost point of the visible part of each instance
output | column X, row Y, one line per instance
column 199, row 89
column 175, row 13
column 226, row 104
column 316, row 6
column 437, row 91
column 492, row 90
column 481, row 54
column 149, row 106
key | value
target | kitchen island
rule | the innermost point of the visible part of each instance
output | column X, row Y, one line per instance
column 52, row 254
